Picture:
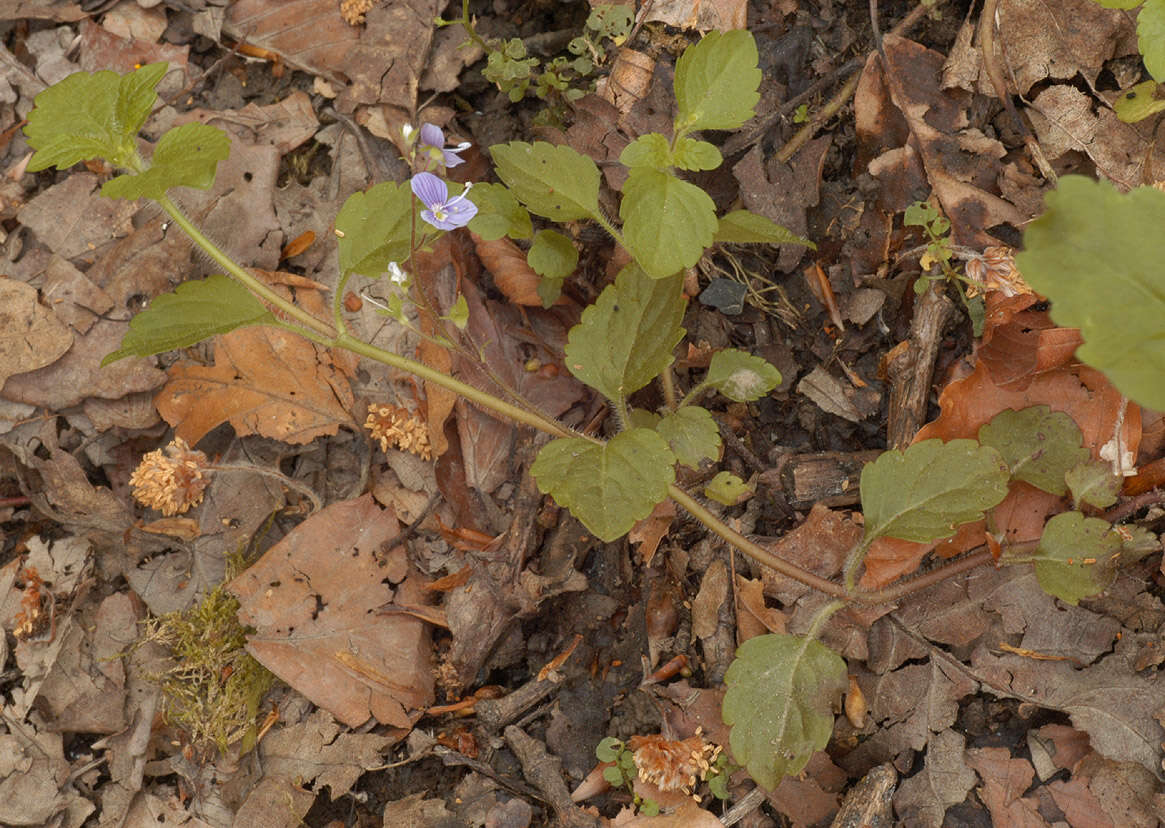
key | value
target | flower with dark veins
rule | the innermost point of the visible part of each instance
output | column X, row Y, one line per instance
column 432, row 138
column 443, row 212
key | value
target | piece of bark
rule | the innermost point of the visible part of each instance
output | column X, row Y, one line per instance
column 545, row 773
column 828, row 477
column 869, row 804
column 493, row 714
column 911, row 371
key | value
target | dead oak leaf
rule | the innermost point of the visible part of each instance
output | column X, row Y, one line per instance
column 264, row 381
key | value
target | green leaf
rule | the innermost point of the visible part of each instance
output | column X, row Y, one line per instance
column 1097, row 255
column 691, row 154
column 374, row 229
column 498, row 213
column 779, row 703
column 717, row 81
column 458, row 313
column 1119, row 4
column 626, row 338
column 1151, row 37
column 741, row 377
column 743, row 227
column 608, row 487
column 1136, row 542
column 920, row 214
column 1093, row 482
column 186, row 156
column 553, row 181
column 650, row 150
column 608, row 748
column 692, row 435
column 642, row 418
column 552, row 255
column 927, row 491
column 613, row 776
column 667, row 223
column 549, row 290
column 727, row 488
column 1039, row 445
column 91, row 115
column 1139, row 102
column 1075, row 556
column 193, row 312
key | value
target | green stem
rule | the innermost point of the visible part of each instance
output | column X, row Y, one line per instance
column 252, row 284
column 694, row 394
column 820, row 617
column 447, row 382
column 854, row 560
column 610, row 228
column 322, row 334
column 338, row 304
column 754, row 551
column 669, row 388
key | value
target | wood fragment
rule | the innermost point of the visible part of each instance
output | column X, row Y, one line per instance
column 912, row 370
column 545, row 773
column 828, row 477
column 869, row 804
column 493, row 714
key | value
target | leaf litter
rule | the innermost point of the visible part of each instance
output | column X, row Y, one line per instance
column 351, row 607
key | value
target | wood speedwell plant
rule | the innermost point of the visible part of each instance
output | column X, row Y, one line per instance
column 781, row 688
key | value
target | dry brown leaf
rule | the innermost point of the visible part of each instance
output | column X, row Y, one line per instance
column 1068, row 745
column 653, row 529
column 264, row 381
column 30, row 335
column 317, row 750
column 1109, row 701
column 706, row 605
column 1080, row 392
column 1060, row 40
column 944, row 780
column 957, row 161
column 506, row 262
column 1079, row 804
column 379, row 62
column 73, row 297
column 312, row 599
column 630, row 79
column 687, row 815
column 812, row 797
column 1065, row 119
column 753, row 618
column 1004, row 780
column 701, row 15
column 967, row 404
column 285, row 124
column 820, row 544
column 101, row 49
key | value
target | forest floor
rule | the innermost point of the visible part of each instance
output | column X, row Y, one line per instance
column 460, row 661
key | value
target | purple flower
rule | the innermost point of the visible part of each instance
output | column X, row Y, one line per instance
column 444, row 213
column 433, row 138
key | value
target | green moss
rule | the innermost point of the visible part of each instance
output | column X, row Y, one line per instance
column 214, row 688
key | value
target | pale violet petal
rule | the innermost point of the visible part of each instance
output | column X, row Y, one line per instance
column 430, row 189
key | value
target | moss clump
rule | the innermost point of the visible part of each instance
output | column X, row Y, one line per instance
column 214, row 689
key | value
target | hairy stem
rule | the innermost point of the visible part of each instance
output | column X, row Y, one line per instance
column 250, row 282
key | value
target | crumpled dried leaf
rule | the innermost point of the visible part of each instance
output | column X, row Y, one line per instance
column 264, row 381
